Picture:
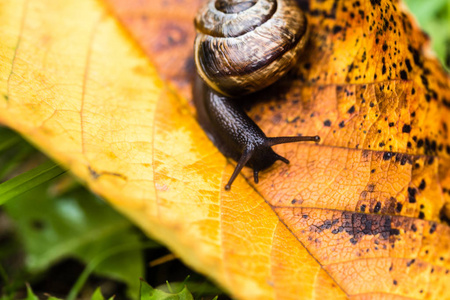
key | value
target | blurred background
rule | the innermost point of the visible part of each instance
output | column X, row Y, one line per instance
column 434, row 18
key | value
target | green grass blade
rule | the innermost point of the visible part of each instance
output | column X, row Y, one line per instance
column 29, row 180
column 13, row 157
column 76, row 288
column 30, row 294
column 8, row 139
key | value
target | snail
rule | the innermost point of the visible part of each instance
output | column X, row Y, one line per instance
column 243, row 46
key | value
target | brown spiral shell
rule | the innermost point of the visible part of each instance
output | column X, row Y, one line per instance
column 245, row 45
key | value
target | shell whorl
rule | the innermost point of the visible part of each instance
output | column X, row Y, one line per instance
column 245, row 45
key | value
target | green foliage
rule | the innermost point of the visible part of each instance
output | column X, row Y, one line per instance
column 30, row 294
column 434, row 18
column 146, row 292
column 105, row 257
column 196, row 288
column 98, row 295
column 28, row 180
column 13, row 151
column 76, row 224
column 149, row 293
column 54, row 224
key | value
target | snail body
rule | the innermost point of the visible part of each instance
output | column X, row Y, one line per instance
column 243, row 46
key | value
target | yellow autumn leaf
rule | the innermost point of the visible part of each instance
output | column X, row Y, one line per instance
column 326, row 227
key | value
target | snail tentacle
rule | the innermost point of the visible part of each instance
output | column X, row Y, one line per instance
column 246, row 155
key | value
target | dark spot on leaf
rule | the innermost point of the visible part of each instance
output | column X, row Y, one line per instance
column 408, row 65
column 416, row 56
column 327, row 123
column 171, row 36
column 412, row 195
column 409, row 263
column 433, row 228
column 276, row 119
column 337, row 29
column 351, row 110
column 337, row 230
column 424, row 80
column 361, row 13
column 403, row 158
column 406, row 128
column 394, row 231
column 377, row 207
column 360, row 224
column 403, row 75
column 422, row 185
column 94, row 174
column 446, row 102
column 387, row 155
column 443, row 216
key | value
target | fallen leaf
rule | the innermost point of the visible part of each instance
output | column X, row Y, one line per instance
column 364, row 214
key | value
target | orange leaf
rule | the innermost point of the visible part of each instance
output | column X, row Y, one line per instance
column 362, row 215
